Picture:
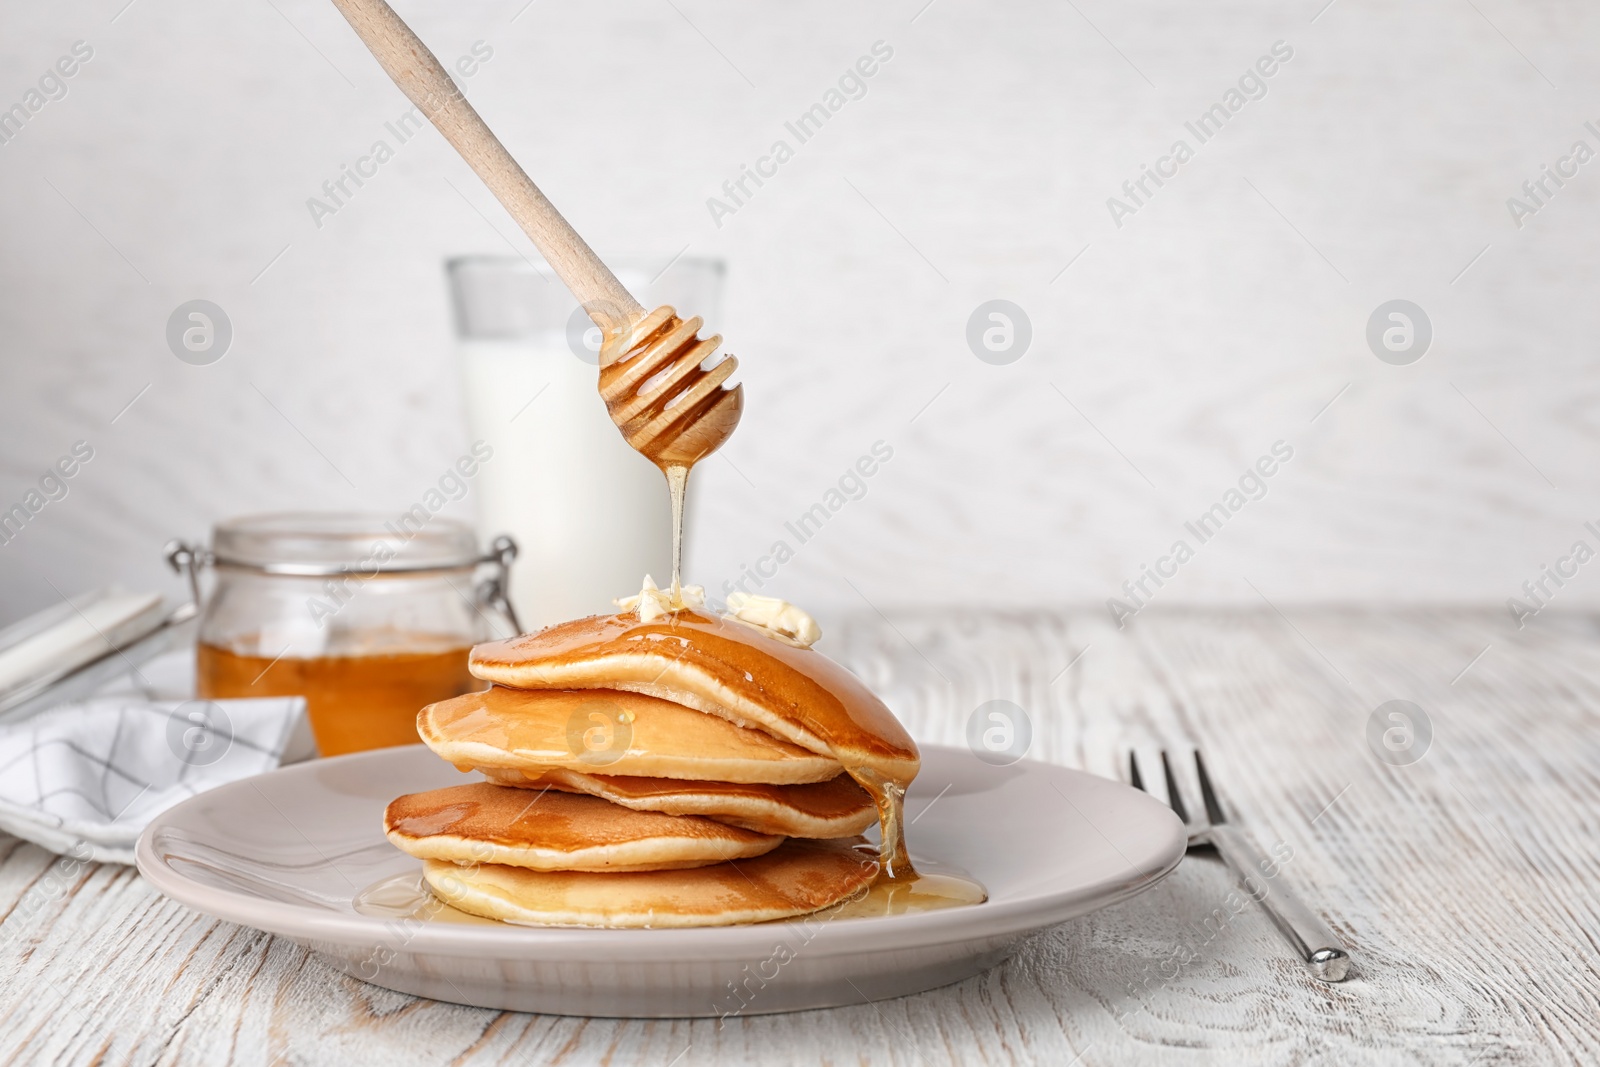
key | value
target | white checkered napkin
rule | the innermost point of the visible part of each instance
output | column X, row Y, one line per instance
column 84, row 779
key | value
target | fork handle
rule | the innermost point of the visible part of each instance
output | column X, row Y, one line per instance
column 1324, row 954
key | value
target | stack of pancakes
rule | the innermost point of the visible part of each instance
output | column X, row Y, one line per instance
column 686, row 771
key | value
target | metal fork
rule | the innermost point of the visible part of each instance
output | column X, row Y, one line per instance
column 1324, row 954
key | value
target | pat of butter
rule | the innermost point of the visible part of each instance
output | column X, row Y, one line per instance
column 778, row 617
column 652, row 603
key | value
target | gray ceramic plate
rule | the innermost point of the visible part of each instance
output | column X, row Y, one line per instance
column 288, row 852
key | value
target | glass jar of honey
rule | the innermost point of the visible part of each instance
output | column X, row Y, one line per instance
column 369, row 618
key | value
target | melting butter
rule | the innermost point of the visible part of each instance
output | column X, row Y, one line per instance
column 652, row 603
column 777, row 617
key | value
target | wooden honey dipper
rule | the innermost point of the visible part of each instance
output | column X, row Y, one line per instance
column 668, row 408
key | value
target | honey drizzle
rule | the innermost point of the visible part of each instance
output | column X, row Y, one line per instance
column 677, row 485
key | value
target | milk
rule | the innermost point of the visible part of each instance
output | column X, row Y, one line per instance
column 590, row 514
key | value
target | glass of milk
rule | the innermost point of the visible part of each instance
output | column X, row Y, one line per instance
column 590, row 514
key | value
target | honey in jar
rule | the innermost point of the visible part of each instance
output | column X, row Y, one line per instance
column 367, row 619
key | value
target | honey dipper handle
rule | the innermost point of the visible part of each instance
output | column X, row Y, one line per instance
column 418, row 74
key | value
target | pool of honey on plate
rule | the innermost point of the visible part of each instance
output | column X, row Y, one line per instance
column 406, row 896
column 934, row 887
column 365, row 695
column 925, row 889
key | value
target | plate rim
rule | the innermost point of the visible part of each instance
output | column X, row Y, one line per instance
column 990, row 920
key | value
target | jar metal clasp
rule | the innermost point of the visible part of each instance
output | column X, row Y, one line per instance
column 493, row 592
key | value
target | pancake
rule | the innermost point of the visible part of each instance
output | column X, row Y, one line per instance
column 557, row 831
column 797, row 878
column 722, row 667
column 836, row 808
column 610, row 733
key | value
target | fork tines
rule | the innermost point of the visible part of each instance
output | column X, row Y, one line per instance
column 1208, row 792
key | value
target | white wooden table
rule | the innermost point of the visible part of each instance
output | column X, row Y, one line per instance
column 1466, row 882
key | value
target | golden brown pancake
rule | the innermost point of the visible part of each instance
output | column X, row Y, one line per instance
column 796, row 878
column 713, row 665
column 557, row 831
column 610, row 732
column 836, row 808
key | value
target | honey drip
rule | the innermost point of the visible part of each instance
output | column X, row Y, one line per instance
column 678, row 487
column 894, row 861
column 670, row 408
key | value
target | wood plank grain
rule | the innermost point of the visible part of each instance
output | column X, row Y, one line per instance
column 1462, row 882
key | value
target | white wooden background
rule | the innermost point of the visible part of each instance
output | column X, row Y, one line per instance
column 1224, row 316
column 1464, row 883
